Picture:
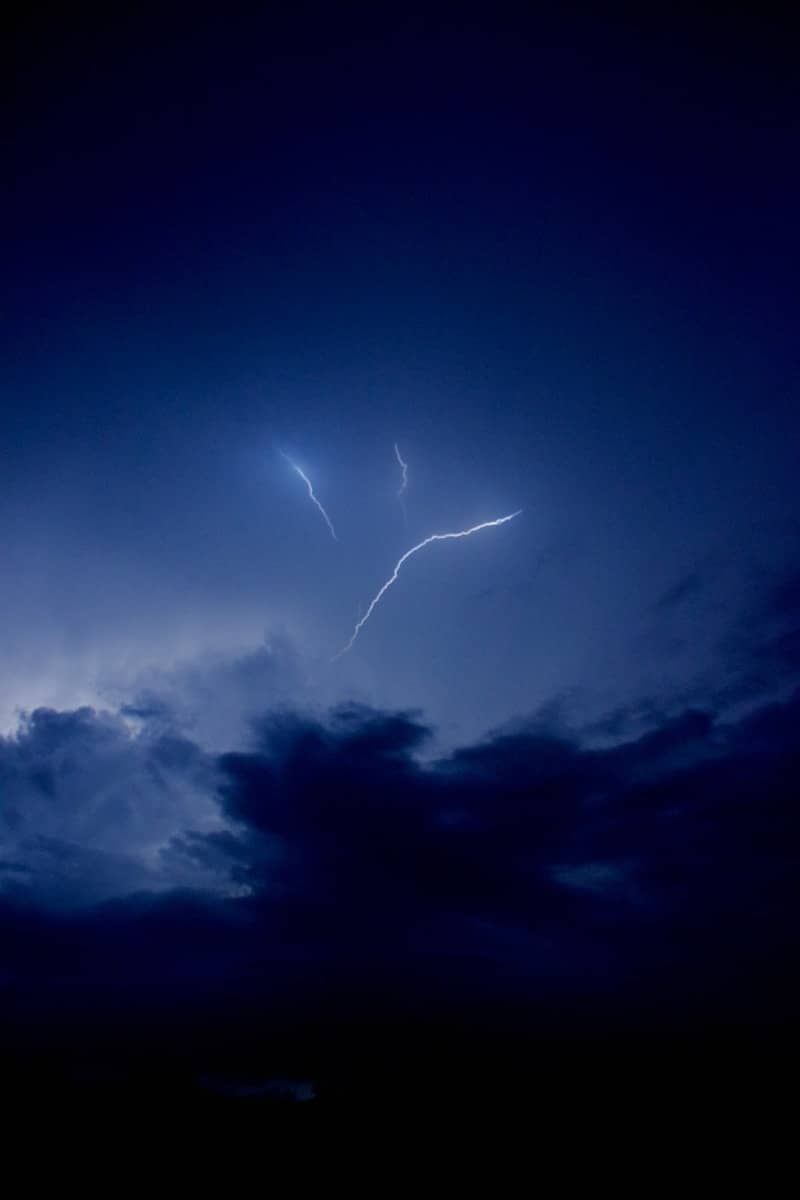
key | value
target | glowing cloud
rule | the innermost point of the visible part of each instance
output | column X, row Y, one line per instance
column 435, row 537
column 307, row 482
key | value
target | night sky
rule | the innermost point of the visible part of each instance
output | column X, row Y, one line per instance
column 548, row 797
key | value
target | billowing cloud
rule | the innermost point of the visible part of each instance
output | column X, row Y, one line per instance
column 88, row 805
column 336, row 869
column 334, row 862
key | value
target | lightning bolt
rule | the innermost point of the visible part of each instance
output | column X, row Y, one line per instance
column 403, row 484
column 404, row 468
column 307, row 482
column 435, row 537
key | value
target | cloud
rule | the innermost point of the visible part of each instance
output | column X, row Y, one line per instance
column 212, row 698
column 335, row 868
column 235, row 875
column 88, row 805
column 737, row 647
column 760, row 655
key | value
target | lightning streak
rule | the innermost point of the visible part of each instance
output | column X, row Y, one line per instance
column 435, row 537
column 307, row 482
column 404, row 468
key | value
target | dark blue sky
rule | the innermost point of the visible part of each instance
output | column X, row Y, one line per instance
column 553, row 255
column 553, row 258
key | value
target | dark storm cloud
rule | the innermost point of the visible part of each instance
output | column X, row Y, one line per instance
column 760, row 655
column 86, row 805
column 349, row 874
column 736, row 631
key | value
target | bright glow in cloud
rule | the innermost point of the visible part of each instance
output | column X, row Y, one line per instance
column 435, row 537
column 307, row 482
